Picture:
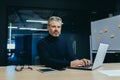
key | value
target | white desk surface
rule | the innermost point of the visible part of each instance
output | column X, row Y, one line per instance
column 9, row 73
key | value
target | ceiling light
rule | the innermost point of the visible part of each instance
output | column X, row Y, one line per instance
column 38, row 21
column 34, row 29
column 12, row 27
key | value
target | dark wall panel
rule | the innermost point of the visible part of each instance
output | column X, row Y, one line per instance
column 3, row 33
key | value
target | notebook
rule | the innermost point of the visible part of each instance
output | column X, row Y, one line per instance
column 99, row 58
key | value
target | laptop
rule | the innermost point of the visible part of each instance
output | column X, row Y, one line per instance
column 98, row 59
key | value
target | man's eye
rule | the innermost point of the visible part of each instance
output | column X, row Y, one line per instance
column 58, row 26
column 53, row 26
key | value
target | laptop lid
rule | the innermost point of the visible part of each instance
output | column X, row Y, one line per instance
column 100, row 56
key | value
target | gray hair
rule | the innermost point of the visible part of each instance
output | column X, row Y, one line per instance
column 55, row 18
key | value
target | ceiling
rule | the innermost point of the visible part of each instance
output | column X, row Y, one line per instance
column 66, row 4
column 76, row 14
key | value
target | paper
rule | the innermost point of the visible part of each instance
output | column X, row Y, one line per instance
column 98, row 37
column 110, row 72
column 105, row 30
column 112, row 36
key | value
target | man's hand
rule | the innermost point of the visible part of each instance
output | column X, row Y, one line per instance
column 82, row 62
column 75, row 63
column 85, row 62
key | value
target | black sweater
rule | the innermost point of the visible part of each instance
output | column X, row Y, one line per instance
column 53, row 52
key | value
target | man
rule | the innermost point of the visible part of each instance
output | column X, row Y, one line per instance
column 53, row 51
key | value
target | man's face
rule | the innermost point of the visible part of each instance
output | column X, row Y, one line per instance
column 54, row 28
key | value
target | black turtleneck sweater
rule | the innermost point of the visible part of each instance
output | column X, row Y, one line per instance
column 53, row 52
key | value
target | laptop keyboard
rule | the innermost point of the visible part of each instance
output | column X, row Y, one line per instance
column 88, row 66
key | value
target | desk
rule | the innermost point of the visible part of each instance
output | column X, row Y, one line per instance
column 8, row 73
